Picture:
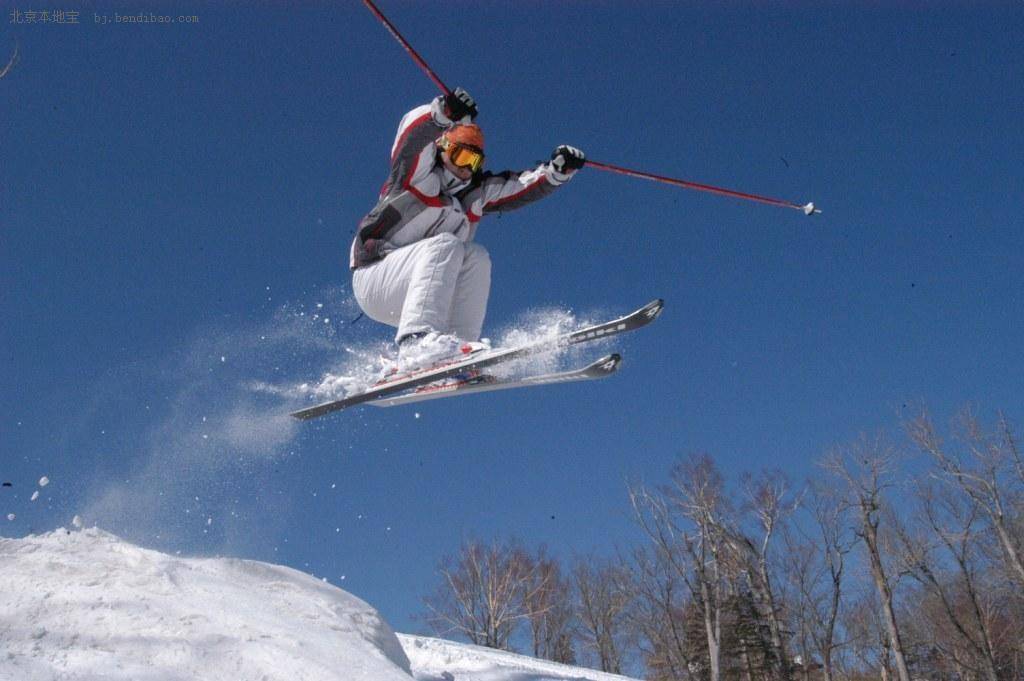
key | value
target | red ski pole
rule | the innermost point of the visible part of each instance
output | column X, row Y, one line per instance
column 808, row 208
column 408, row 48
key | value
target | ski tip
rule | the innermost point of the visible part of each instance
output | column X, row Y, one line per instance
column 653, row 308
column 611, row 363
column 606, row 366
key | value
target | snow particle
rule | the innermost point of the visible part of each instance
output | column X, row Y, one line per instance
column 11, row 516
column 35, row 495
column 44, row 481
column 77, row 521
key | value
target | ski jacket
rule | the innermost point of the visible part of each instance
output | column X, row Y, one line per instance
column 422, row 199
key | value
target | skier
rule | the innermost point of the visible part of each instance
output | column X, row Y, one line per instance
column 415, row 265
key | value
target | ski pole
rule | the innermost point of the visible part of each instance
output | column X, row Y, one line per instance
column 11, row 63
column 408, row 48
column 808, row 208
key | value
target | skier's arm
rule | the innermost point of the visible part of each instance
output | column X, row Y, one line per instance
column 510, row 190
column 412, row 154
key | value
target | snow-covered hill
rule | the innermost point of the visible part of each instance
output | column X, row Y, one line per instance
column 435, row 659
column 77, row 605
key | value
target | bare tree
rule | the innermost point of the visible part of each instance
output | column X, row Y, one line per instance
column 867, row 636
column 948, row 525
column 770, row 503
column 484, row 593
column 661, row 618
column 866, row 469
column 685, row 521
column 803, row 573
column 549, row 610
column 816, row 568
column 603, row 600
column 989, row 469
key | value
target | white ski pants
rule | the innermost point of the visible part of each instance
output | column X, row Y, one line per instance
column 436, row 284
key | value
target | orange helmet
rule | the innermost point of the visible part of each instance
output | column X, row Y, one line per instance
column 464, row 146
column 467, row 135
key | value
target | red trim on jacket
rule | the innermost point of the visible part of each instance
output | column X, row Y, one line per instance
column 513, row 197
column 405, row 133
column 432, row 201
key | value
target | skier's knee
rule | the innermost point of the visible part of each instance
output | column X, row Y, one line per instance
column 446, row 241
column 477, row 256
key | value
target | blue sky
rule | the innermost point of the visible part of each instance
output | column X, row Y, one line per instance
column 177, row 200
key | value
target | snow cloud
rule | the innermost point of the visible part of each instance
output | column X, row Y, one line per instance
column 217, row 422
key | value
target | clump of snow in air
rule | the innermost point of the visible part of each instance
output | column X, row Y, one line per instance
column 359, row 364
column 216, row 417
column 35, row 495
column 88, row 605
column 44, row 481
column 341, row 359
column 364, row 366
column 11, row 516
column 355, row 369
column 539, row 326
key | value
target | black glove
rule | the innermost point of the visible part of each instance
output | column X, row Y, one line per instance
column 458, row 105
column 565, row 159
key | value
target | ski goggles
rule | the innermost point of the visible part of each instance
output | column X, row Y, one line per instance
column 463, row 156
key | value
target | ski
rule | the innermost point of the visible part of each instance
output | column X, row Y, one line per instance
column 485, row 358
column 602, row 368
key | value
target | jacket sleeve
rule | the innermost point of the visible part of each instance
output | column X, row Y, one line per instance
column 412, row 156
column 509, row 190
column 412, row 153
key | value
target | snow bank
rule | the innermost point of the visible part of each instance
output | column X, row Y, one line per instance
column 435, row 659
column 87, row 605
